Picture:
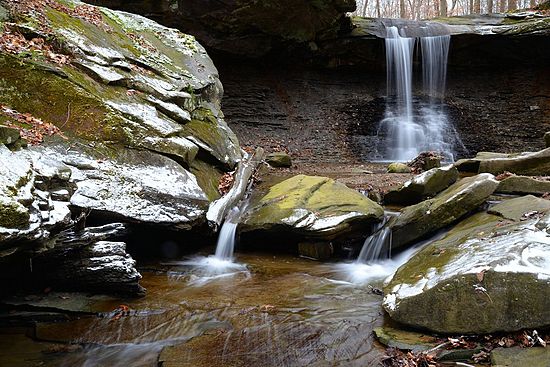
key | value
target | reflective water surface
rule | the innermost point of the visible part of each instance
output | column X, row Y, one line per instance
column 278, row 311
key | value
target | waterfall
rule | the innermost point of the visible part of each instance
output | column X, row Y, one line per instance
column 375, row 245
column 435, row 51
column 411, row 126
column 399, row 56
column 226, row 239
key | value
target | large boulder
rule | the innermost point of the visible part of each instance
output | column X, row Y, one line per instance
column 138, row 187
column 490, row 273
column 529, row 163
column 116, row 79
column 36, row 221
column 420, row 220
column 422, row 186
column 523, row 185
column 138, row 136
column 310, row 206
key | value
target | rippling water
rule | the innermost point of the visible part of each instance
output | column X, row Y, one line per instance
column 276, row 311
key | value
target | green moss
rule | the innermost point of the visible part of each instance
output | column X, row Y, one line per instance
column 319, row 195
column 208, row 178
column 440, row 253
column 31, row 87
column 13, row 214
column 116, row 38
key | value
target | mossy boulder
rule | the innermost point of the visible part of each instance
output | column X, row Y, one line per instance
column 9, row 136
column 124, row 82
column 529, row 163
column 523, row 185
column 488, row 274
column 311, row 206
column 422, row 186
column 420, row 220
column 13, row 214
column 278, row 159
column 397, row 167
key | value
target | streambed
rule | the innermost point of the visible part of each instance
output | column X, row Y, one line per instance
column 281, row 311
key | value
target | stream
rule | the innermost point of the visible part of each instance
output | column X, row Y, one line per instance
column 281, row 311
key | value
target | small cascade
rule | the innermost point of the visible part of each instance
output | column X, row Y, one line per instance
column 375, row 245
column 410, row 125
column 217, row 266
column 226, row 240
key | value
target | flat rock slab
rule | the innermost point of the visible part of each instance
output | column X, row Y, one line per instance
column 63, row 302
column 418, row 221
column 529, row 163
column 523, row 185
column 404, row 339
column 310, row 205
column 520, row 357
column 520, row 208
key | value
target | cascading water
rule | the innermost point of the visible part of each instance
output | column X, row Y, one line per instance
column 435, row 51
column 226, row 239
column 219, row 265
column 375, row 244
column 411, row 126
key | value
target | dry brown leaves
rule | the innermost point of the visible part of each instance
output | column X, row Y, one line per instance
column 397, row 358
column 138, row 39
column 15, row 43
column 504, row 175
column 226, row 181
column 121, row 310
column 417, row 164
column 31, row 128
column 36, row 9
column 486, row 343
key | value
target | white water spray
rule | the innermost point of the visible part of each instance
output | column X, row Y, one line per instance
column 435, row 51
column 221, row 264
column 375, row 245
column 226, row 239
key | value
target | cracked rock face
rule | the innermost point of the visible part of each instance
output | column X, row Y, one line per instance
column 490, row 273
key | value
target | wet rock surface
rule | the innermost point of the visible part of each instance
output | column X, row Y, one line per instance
column 310, row 206
column 135, row 108
column 422, row 186
column 488, row 274
column 417, row 221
